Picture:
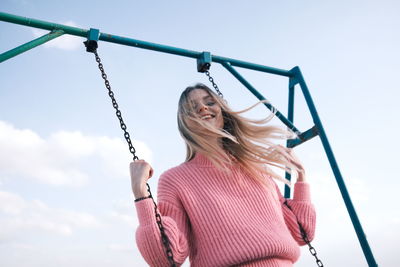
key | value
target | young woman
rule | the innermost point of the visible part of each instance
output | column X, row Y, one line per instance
column 221, row 206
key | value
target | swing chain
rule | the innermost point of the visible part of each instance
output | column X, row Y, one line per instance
column 164, row 237
column 214, row 84
column 115, row 105
column 303, row 233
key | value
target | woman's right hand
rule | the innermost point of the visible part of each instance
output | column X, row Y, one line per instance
column 140, row 172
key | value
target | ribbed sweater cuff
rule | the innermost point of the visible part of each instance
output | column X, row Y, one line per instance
column 301, row 192
column 145, row 211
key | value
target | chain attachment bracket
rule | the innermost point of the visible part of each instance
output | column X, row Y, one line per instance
column 203, row 65
column 92, row 38
column 204, row 62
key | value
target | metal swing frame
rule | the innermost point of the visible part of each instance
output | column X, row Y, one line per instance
column 204, row 60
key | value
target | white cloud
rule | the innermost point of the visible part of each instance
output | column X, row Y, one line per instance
column 123, row 211
column 57, row 160
column 23, row 246
column 395, row 220
column 20, row 217
column 121, row 247
column 64, row 42
column 11, row 203
column 73, row 144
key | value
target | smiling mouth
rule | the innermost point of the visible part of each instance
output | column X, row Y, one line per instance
column 207, row 117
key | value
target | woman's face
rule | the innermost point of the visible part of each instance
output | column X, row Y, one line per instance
column 206, row 108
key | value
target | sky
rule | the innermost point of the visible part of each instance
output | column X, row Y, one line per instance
column 65, row 196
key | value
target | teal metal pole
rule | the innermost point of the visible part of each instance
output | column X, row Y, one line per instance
column 42, row 24
column 291, row 119
column 189, row 53
column 32, row 44
column 339, row 179
column 135, row 43
column 260, row 97
column 246, row 65
column 303, row 137
column 148, row 45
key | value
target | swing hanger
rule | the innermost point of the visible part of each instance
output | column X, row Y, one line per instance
column 204, row 62
column 203, row 65
column 91, row 46
column 91, row 43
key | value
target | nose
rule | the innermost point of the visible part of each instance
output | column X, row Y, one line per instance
column 202, row 108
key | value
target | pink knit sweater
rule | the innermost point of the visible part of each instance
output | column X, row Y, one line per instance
column 220, row 219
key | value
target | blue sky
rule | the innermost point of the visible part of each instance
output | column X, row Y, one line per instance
column 65, row 194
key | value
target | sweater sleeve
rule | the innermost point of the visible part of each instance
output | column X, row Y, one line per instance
column 175, row 223
column 302, row 211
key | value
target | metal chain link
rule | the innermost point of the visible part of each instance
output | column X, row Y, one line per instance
column 305, row 238
column 115, row 105
column 214, row 84
column 164, row 237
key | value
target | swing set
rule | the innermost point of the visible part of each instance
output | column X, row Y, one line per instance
column 204, row 60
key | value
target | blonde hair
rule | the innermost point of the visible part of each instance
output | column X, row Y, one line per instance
column 243, row 141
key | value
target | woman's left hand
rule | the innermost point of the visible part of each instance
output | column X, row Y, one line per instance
column 292, row 158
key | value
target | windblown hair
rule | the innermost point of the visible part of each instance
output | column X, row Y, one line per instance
column 245, row 142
